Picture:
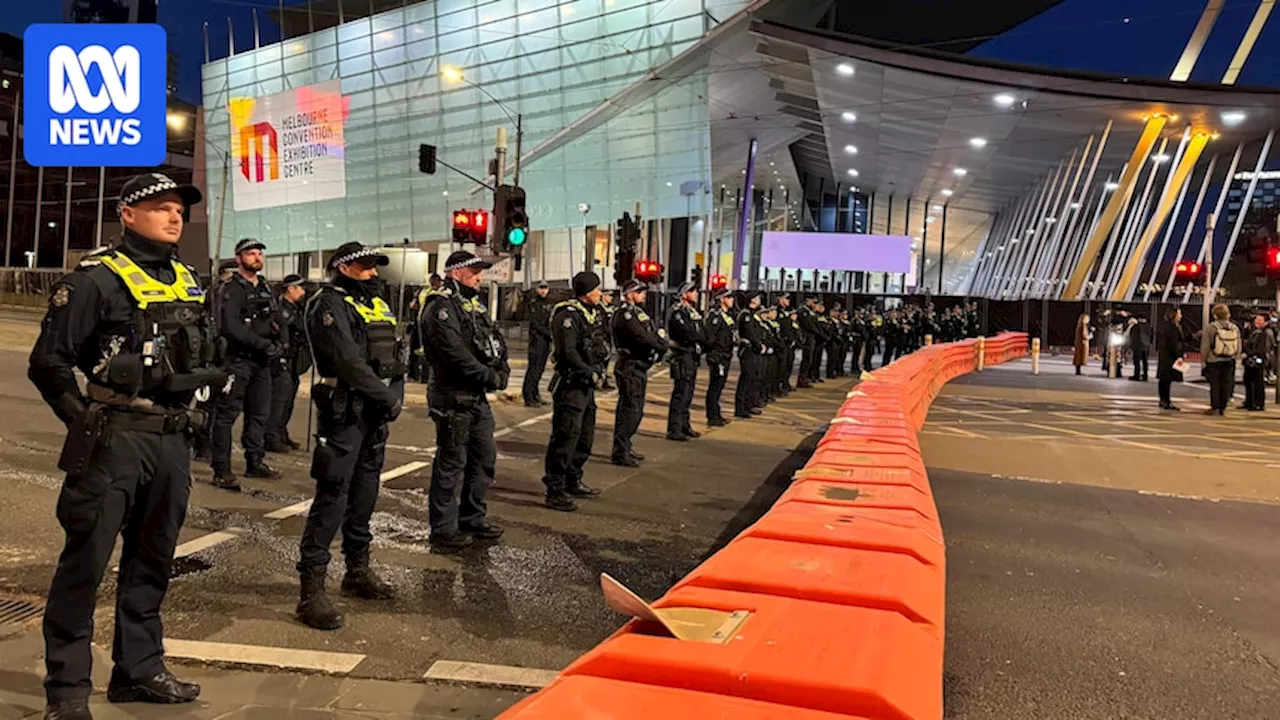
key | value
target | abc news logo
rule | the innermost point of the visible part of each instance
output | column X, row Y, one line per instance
column 69, row 90
column 98, row 95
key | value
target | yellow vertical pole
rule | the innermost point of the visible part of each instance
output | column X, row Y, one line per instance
column 1246, row 43
column 1191, row 53
column 1115, row 203
column 1134, row 264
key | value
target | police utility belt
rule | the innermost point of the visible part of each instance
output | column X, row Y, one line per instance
column 142, row 415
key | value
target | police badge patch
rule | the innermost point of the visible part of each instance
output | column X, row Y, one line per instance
column 568, row 322
column 61, row 295
column 443, row 314
column 327, row 320
column 626, row 315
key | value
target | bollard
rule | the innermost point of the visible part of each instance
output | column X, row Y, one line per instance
column 1112, row 354
column 982, row 353
column 1035, row 356
column 928, row 340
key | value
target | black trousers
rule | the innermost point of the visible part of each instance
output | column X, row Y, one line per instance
column 539, row 350
column 1140, row 364
column 1255, row 386
column 573, row 430
column 746, row 396
column 807, row 351
column 788, row 365
column 890, row 352
column 684, row 375
column 284, row 390
column 1165, row 386
column 251, row 392
column 815, row 369
column 835, row 359
column 1222, row 381
column 137, row 485
column 345, row 465
column 715, row 387
column 856, row 363
column 466, row 458
column 633, row 380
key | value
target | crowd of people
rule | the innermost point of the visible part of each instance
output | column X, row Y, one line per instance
column 1224, row 346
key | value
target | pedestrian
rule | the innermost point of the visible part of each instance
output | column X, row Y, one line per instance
column 1259, row 349
column 362, row 360
column 685, row 333
column 1169, row 360
column 248, row 326
column 1140, row 344
column 1219, row 346
column 580, row 348
column 468, row 359
column 722, row 338
column 639, row 344
column 294, row 360
column 538, row 313
column 751, row 353
column 130, row 320
column 1082, row 337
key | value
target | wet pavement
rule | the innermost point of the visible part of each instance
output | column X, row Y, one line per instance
column 1100, row 561
column 529, row 601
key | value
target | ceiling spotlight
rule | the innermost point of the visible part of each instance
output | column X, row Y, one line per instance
column 1233, row 117
column 853, row 173
column 1032, row 231
column 1075, row 206
column 845, row 69
column 1050, row 220
column 959, row 172
column 1005, row 100
column 848, row 116
column 850, row 150
column 1111, row 186
column 1160, row 158
column 930, row 219
column 936, row 208
column 668, row 183
column 1013, row 241
column 947, row 192
column 977, row 143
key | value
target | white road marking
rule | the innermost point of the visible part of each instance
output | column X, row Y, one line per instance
column 490, row 674
column 204, row 542
column 290, row 510
column 321, row 661
column 403, row 470
column 305, row 505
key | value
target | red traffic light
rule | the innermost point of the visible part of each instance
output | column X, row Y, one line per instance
column 461, row 219
column 1273, row 258
column 719, row 282
column 648, row 270
column 480, row 220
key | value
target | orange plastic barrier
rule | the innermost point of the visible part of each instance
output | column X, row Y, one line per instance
column 842, row 584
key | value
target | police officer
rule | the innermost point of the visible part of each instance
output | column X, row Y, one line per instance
column 684, row 329
column 639, row 345
column 608, row 308
column 294, row 360
column 808, row 317
column 538, row 312
column 580, row 351
column 751, row 352
column 201, row 442
column 722, row 338
column 822, row 339
column 468, row 359
column 131, row 320
column 249, row 330
column 361, row 358
column 790, row 332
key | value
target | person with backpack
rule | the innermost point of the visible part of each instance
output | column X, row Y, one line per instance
column 1219, row 347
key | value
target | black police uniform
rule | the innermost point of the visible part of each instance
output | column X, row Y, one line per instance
column 639, row 345
column 249, row 329
column 685, row 331
column 294, row 360
column 468, row 358
column 538, row 312
column 751, row 352
column 808, row 345
column 361, row 358
column 790, row 331
column 130, row 319
column 580, row 351
column 722, row 338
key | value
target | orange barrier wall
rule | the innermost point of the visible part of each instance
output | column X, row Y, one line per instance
column 845, row 577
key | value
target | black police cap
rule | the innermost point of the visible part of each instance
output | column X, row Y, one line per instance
column 140, row 187
column 353, row 251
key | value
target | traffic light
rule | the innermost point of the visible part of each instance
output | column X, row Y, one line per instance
column 1188, row 271
column 696, row 276
column 649, row 271
column 427, row 159
column 1273, row 263
column 627, row 235
column 719, row 282
column 511, row 218
column 470, row 226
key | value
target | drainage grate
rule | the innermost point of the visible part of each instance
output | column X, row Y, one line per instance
column 16, row 614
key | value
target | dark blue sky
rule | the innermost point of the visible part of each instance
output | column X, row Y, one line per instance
column 1142, row 38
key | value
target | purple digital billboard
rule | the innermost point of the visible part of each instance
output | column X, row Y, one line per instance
column 837, row 251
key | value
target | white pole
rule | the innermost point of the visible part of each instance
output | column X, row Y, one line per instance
column 35, row 238
column 102, row 191
column 66, row 222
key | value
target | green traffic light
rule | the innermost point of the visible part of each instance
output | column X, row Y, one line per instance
column 516, row 236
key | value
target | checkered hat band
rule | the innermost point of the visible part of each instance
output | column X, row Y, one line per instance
column 148, row 191
column 465, row 263
column 350, row 257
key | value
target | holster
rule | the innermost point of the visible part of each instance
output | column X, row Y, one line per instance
column 333, row 403
column 83, row 438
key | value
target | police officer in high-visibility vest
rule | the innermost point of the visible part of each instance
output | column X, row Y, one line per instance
column 468, row 359
column 362, row 358
column 131, row 320
column 751, row 353
column 685, row 331
column 580, row 350
column 640, row 344
column 722, row 338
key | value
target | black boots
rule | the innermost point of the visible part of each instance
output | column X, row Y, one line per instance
column 362, row 582
column 77, row 709
column 314, row 607
column 162, row 688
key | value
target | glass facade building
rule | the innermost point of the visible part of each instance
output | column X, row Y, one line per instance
column 600, row 128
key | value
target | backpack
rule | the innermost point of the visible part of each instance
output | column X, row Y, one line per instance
column 1226, row 341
